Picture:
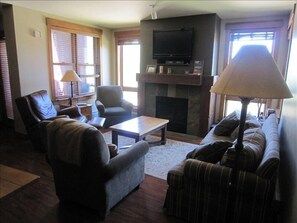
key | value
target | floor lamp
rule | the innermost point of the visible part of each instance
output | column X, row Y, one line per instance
column 251, row 74
column 70, row 76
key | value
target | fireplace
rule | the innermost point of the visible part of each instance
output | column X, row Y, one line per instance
column 175, row 110
column 191, row 87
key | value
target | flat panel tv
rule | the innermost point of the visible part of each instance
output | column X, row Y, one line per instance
column 173, row 45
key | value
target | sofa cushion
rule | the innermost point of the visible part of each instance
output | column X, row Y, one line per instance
column 252, row 152
column 227, row 125
column 211, row 152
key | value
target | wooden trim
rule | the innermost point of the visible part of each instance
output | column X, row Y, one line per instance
column 181, row 79
column 72, row 27
column 51, row 72
column 255, row 25
column 127, row 34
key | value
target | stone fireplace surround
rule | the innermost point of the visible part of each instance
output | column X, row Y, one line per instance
column 192, row 87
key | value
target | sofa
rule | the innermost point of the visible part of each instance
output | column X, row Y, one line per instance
column 199, row 188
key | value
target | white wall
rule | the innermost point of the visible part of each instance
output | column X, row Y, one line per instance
column 32, row 53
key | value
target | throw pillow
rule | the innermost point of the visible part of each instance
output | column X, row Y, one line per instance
column 211, row 153
column 227, row 125
column 113, row 150
column 252, row 152
column 250, row 123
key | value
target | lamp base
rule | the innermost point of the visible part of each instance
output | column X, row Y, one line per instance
column 70, row 101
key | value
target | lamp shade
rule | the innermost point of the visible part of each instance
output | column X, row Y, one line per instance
column 70, row 76
column 252, row 74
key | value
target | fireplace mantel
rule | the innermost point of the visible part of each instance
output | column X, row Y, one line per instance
column 181, row 79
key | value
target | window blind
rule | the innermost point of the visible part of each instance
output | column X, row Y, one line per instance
column 5, row 80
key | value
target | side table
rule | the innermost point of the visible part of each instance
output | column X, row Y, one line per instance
column 86, row 110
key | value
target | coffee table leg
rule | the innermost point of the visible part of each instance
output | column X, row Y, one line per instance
column 163, row 135
column 114, row 138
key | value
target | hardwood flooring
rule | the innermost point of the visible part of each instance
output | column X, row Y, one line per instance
column 37, row 201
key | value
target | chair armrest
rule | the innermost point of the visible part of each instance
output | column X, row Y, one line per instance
column 72, row 112
column 126, row 158
column 100, row 107
column 56, row 117
column 128, row 106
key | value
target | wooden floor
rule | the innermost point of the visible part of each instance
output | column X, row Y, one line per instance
column 37, row 202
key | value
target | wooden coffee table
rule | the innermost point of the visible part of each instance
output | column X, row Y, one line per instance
column 138, row 128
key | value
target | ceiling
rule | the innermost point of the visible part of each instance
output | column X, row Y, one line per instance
column 123, row 14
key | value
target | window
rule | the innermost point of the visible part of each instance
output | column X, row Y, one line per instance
column 238, row 35
column 73, row 47
column 128, row 63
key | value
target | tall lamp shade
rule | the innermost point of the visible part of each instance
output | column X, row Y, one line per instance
column 251, row 74
column 70, row 76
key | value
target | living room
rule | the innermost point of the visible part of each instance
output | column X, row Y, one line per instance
column 31, row 62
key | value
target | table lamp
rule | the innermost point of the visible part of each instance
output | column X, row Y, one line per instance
column 70, row 76
column 251, row 74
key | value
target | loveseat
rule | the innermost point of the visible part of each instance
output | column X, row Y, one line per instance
column 199, row 187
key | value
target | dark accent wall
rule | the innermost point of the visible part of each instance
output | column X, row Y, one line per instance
column 206, row 41
column 288, row 140
column 205, row 47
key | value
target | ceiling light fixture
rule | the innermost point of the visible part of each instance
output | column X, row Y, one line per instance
column 154, row 13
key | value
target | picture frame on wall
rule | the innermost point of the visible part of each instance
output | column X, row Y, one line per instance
column 151, row 69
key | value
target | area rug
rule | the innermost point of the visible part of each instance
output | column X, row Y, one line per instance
column 160, row 158
column 12, row 179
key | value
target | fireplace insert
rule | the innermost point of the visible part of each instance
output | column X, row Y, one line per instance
column 175, row 110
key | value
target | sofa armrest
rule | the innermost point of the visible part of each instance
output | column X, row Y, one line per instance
column 208, row 173
column 72, row 112
column 128, row 106
column 211, row 174
column 100, row 107
column 175, row 176
column 126, row 158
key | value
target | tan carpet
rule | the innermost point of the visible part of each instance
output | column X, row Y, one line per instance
column 12, row 179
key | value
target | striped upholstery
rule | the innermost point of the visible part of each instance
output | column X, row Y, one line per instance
column 252, row 152
column 199, row 191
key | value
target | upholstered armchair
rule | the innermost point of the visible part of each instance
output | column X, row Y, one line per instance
column 112, row 106
column 37, row 107
column 86, row 172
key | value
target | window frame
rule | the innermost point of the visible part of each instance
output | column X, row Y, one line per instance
column 123, row 38
column 73, row 29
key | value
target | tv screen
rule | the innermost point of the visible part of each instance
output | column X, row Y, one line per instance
column 173, row 44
